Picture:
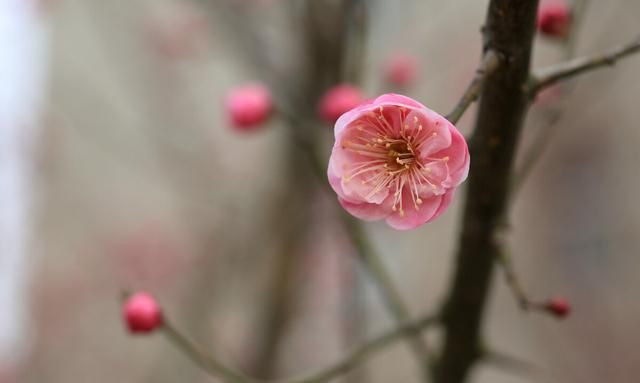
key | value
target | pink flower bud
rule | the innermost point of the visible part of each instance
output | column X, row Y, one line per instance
column 559, row 307
column 397, row 160
column 338, row 100
column 142, row 313
column 401, row 70
column 554, row 19
column 248, row 106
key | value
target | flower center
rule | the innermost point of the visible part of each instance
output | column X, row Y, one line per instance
column 400, row 155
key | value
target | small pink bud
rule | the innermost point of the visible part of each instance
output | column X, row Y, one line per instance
column 338, row 100
column 554, row 19
column 559, row 307
column 248, row 106
column 142, row 313
column 401, row 70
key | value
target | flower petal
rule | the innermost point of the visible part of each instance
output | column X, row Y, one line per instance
column 413, row 218
column 365, row 211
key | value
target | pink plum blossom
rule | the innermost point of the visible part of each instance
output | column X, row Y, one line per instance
column 554, row 18
column 248, row 106
column 401, row 70
column 397, row 160
column 338, row 100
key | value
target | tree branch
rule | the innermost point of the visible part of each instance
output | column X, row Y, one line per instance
column 363, row 352
column 208, row 363
column 551, row 75
column 503, row 257
column 509, row 30
column 218, row 369
column 489, row 64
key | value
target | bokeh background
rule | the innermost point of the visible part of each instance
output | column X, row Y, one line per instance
column 139, row 182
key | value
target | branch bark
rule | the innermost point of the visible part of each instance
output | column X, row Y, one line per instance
column 503, row 103
column 569, row 69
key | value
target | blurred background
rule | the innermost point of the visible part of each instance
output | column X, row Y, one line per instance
column 119, row 170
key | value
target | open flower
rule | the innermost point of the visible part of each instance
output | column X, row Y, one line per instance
column 395, row 159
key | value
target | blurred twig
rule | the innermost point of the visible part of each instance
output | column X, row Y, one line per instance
column 363, row 352
column 510, row 363
column 210, row 364
column 489, row 64
column 356, row 31
column 387, row 289
column 218, row 369
column 503, row 257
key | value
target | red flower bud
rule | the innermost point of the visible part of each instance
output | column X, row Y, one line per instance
column 554, row 19
column 248, row 106
column 142, row 314
column 559, row 307
column 339, row 100
column 401, row 70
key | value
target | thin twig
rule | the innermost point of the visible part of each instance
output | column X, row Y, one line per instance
column 363, row 352
column 355, row 358
column 510, row 363
column 489, row 64
column 503, row 257
column 551, row 75
column 198, row 356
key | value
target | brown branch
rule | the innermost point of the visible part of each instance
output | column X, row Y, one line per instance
column 551, row 75
column 503, row 103
column 218, row 369
column 489, row 64
column 503, row 257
